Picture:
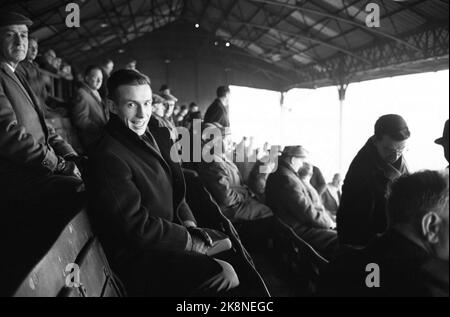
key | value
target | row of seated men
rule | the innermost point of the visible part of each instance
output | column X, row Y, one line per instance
column 136, row 189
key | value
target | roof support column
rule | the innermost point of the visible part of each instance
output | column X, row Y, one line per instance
column 342, row 94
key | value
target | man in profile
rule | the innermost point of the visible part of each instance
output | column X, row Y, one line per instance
column 218, row 111
column 443, row 141
column 289, row 198
column 137, row 195
column 412, row 258
column 362, row 213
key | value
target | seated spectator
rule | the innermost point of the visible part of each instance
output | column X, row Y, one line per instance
column 138, row 206
column 257, row 179
column 159, row 106
column 318, row 181
column 40, row 184
column 32, row 74
column 89, row 113
column 66, row 71
column 290, row 200
column 131, row 65
column 223, row 180
column 443, row 141
column 362, row 213
column 47, row 61
column 107, row 67
column 412, row 258
column 306, row 173
column 331, row 197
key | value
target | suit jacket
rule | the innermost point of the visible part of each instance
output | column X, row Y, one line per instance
column 406, row 270
column 89, row 115
column 290, row 200
column 28, row 147
column 217, row 113
column 137, row 194
column 362, row 213
column 224, row 182
column 31, row 73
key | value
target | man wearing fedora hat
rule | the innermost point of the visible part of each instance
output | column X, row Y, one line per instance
column 39, row 187
column 444, row 140
column 287, row 194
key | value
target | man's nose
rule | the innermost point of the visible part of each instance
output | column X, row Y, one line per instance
column 18, row 40
column 140, row 112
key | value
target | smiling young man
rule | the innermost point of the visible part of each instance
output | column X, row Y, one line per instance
column 362, row 213
column 137, row 198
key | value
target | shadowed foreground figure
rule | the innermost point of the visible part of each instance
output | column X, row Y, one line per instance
column 412, row 256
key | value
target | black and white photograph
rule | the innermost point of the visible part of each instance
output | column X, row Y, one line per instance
column 224, row 156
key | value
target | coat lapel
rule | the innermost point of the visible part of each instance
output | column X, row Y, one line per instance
column 116, row 128
column 27, row 91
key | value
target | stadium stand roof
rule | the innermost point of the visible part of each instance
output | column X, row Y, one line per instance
column 291, row 43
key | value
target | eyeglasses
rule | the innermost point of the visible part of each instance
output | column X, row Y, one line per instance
column 398, row 151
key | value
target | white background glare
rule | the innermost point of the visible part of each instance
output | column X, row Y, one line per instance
column 311, row 118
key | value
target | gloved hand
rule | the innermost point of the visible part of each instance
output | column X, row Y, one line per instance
column 201, row 235
column 80, row 161
column 224, row 281
column 198, row 246
column 67, row 168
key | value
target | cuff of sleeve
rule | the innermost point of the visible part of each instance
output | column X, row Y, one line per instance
column 189, row 242
column 190, row 224
column 50, row 161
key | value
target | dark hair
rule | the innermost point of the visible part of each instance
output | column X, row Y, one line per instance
column 33, row 38
column 393, row 126
column 107, row 61
column 410, row 197
column 192, row 105
column 164, row 87
column 90, row 68
column 125, row 77
column 222, row 91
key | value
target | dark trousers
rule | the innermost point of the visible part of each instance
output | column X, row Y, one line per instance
column 33, row 217
column 180, row 274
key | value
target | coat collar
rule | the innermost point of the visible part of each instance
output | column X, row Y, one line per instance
column 389, row 170
column 20, row 83
column 124, row 135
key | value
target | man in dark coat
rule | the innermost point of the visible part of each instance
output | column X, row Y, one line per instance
column 362, row 213
column 137, row 195
column 29, row 69
column 107, row 67
column 32, row 156
column 223, row 180
column 89, row 113
column 218, row 111
column 39, row 188
column 411, row 258
column 289, row 199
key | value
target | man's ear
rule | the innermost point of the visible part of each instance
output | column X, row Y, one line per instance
column 112, row 106
column 431, row 224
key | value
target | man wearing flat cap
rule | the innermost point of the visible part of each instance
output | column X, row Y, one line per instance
column 362, row 214
column 35, row 178
column 288, row 196
column 444, row 140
